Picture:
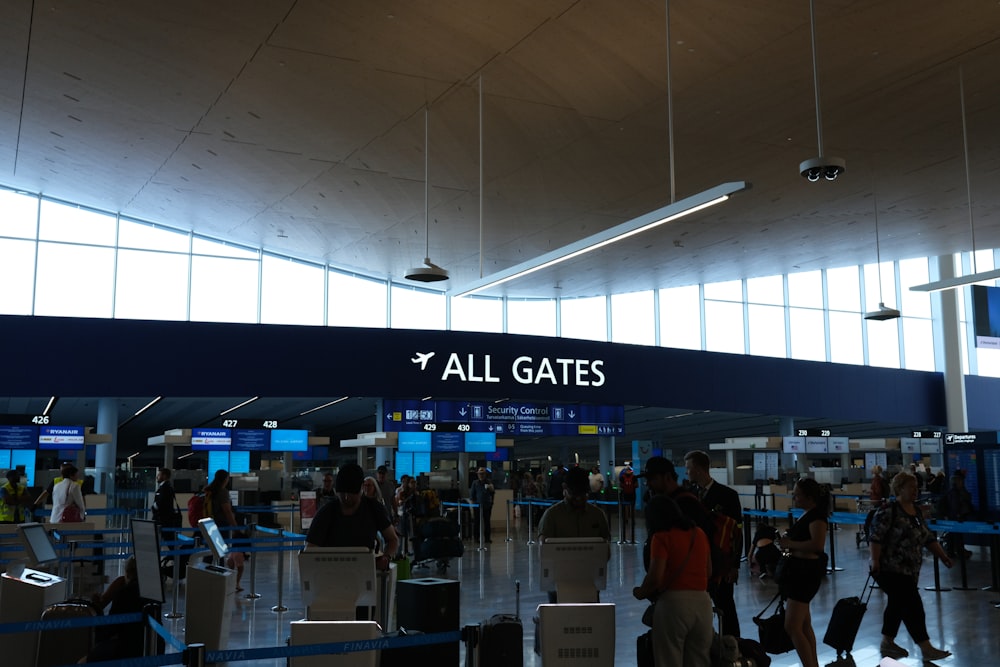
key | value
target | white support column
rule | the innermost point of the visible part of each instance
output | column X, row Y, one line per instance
column 107, row 422
column 948, row 331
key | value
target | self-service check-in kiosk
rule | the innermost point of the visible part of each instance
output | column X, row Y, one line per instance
column 26, row 592
column 211, row 594
column 336, row 582
column 579, row 630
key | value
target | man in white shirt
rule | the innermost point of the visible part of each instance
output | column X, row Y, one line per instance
column 596, row 483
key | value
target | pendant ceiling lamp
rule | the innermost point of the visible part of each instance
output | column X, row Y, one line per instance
column 883, row 312
column 673, row 211
column 824, row 166
column 972, row 278
column 429, row 272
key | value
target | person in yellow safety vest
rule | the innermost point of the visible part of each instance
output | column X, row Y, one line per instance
column 13, row 499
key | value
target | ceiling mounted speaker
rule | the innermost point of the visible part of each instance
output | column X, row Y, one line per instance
column 428, row 273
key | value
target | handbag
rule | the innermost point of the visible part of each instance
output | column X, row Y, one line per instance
column 771, row 630
column 72, row 514
column 647, row 615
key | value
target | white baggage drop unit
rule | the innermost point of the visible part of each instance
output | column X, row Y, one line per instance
column 211, row 594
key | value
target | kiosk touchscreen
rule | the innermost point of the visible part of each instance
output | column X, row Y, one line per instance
column 336, row 580
column 213, row 538
column 37, row 544
column 576, row 568
column 146, row 548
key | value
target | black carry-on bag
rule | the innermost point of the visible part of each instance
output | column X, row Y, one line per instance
column 846, row 619
column 501, row 640
column 66, row 646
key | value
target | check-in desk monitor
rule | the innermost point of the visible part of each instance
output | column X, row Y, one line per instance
column 37, row 544
column 336, row 580
column 214, row 538
column 146, row 549
column 576, row 568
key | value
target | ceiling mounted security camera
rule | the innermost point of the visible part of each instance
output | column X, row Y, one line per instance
column 828, row 167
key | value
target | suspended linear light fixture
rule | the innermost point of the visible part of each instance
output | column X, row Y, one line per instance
column 673, row 211
column 824, row 166
column 429, row 272
column 972, row 278
column 883, row 312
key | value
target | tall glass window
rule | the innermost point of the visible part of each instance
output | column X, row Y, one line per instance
column 585, row 318
column 74, row 280
column 151, row 285
column 224, row 289
column 680, row 317
column 883, row 343
column 477, row 313
column 808, row 334
column 147, row 236
column 843, row 289
column 414, row 308
column 74, row 224
column 291, row 291
column 356, row 301
column 805, row 290
column 766, row 326
column 533, row 317
column 17, row 276
column 20, row 215
column 724, row 327
column 633, row 318
column 767, row 290
column 845, row 337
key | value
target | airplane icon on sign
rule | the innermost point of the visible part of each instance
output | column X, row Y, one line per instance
column 422, row 359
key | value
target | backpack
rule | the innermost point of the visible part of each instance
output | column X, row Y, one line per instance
column 196, row 509
column 725, row 542
column 629, row 484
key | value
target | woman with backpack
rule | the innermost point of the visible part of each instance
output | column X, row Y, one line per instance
column 220, row 508
column 899, row 535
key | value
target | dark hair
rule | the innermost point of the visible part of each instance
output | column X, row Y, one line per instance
column 662, row 513
column 13, row 474
column 814, row 491
column 577, row 481
column 218, row 481
column 382, row 468
column 69, row 470
column 166, row 472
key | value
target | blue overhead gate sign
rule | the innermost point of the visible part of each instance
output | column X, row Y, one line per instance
column 510, row 418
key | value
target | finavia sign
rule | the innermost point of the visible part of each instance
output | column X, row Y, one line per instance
column 558, row 371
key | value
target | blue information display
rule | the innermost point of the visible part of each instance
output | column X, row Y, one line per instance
column 283, row 440
column 61, row 437
column 251, row 440
column 19, row 437
column 26, row 458
column 510, row 418
column 968, row 461
column 480, row 442
column 447, row 441
column 209, row 439
column 217, row 460
column 239, row 463
column 5, row 459
column 413, row 442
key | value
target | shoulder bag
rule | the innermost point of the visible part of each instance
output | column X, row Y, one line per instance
column 771, row 630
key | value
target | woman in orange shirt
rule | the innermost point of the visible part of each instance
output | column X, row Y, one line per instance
column 677, row 581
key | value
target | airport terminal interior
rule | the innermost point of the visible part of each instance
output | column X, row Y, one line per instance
column 965, row 622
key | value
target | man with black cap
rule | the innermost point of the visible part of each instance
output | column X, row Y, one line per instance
column 352, row 519
column 661, row 479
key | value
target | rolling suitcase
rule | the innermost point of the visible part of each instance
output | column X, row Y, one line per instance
column 66, row 646
column 846, row 619
column 501, row 641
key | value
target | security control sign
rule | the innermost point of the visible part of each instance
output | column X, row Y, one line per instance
column 504, row 419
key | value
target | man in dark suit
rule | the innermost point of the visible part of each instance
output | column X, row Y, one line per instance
column 718, row 497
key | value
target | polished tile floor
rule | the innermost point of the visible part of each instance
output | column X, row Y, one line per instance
column 966, row 622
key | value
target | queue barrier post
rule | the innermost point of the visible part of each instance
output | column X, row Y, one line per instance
column 280, row 607
column 253, row 594
column 531, row 522
column 149, row 636
column 510, row 508
column 173, row 613
column 194, row 655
